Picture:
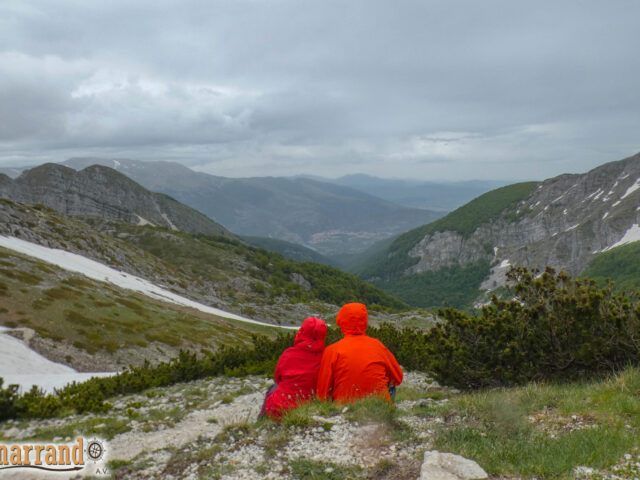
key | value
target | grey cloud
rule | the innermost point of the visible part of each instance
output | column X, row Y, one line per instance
column 306, row 87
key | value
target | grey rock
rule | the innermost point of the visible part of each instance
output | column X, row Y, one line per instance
column 99, row 191
column 447, row 466
column 300, row 280
column 565, row 223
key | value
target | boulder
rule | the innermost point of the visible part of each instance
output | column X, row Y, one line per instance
column 447, row 466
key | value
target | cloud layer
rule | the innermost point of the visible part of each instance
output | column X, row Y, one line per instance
column 424, row 89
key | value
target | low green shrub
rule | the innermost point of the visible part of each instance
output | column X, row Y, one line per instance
column 91, row 395
column 8, row 398
column 554, row 328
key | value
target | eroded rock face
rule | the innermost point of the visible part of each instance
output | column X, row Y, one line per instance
column 103, row 192
column 564, row 223
column 447, row 466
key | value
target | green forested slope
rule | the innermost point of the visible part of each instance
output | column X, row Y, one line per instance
column 465, row 220
column 621, row 265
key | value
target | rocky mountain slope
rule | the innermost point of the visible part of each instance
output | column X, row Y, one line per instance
column 68, row 312
column 104, row 192
column 328, row 218
column 564, row 222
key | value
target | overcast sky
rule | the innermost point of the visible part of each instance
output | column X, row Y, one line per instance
column 426, row 90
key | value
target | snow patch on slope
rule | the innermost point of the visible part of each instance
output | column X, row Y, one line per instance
column 631, row 235
column 22, row 366
column 631, row 189
column 98, row 271
column 143, row 221
column 166, row 217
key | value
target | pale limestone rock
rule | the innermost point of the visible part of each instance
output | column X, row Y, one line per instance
column 447, row 466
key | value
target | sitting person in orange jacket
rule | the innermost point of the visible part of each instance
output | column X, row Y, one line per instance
column 357, row 365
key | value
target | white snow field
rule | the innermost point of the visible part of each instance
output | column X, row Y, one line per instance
column 631, row 235
column 22, row 366
column 25, row 367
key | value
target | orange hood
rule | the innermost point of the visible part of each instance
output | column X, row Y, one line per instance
column 352, row 319
column 311, row 335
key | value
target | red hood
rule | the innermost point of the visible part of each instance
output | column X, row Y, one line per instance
column 352, row 319
column 311, row 335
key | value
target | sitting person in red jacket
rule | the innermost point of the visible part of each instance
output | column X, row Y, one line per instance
column 297, row 370
column 357, row 365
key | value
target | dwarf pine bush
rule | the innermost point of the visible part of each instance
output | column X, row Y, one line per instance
column 554, row 328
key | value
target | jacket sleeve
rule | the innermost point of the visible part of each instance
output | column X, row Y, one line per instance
column 394, row 371
column 280, row 366
column 325, row 375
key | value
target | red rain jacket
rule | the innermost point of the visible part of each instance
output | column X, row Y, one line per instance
column 297, row 369
column 357, row 365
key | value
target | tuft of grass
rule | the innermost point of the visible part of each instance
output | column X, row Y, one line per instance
column 275, row 442
column 21, row 276
column 305, row 469
column 372, row 409
column 302, row 416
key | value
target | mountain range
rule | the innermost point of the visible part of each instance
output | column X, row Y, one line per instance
column 565, row 222
column 571, row 222
column 438, row 196
column 325, row 217
column 103, row 192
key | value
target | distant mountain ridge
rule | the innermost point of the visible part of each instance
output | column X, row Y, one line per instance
column 440, row 196
column 325, row 217
column 103, row 192
column 564, row 222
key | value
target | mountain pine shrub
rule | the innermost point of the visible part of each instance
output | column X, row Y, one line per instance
column 554, row 328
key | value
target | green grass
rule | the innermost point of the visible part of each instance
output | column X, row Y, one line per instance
column 494, row 427
column 621, row 265
column 305, row 469
column 103, row 426
column 97, row 317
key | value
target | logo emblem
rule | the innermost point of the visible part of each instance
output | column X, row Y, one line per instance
column 95, row 450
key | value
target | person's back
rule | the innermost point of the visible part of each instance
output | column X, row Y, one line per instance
column 357, row 365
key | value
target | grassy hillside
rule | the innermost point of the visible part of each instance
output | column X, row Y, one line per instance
column 465, row 220
column 621, row 264
column 268, row 276
column 292, row 251
column 90, row 317
column 217, row 271
column 453, row 286
column 546, row 430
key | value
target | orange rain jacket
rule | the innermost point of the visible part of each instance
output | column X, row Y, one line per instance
column 357, row 365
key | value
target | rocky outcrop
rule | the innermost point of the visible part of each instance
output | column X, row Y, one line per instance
column 564, row 223
column 99, row 191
